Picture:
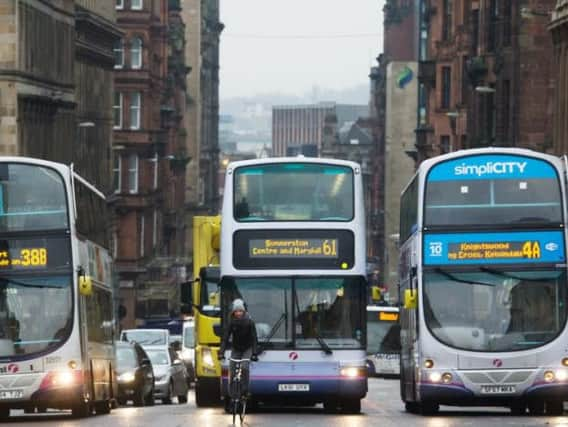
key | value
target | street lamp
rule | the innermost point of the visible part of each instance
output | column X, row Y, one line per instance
column 485, row 89
column 86, row 125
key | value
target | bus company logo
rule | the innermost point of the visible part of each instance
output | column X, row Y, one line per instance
column 551, row 247
column 293, row 356
column 497, row 363
column 498, row 168
column 12, row 368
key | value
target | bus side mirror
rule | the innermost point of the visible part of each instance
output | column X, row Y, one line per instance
column 410, row 299
column 186, row 298
column 85, row 285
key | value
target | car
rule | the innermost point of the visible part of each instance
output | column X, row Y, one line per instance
column 135, row 376
column 146, row 336
column 188, row 349
column 169, row 373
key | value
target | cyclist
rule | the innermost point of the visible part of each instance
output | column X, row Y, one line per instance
column 244, row 344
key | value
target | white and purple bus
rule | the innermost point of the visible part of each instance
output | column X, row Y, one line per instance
column 293, row 248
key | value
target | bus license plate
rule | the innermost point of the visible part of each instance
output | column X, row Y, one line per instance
column 11, row 394
column 498, row 389
column 293, row 387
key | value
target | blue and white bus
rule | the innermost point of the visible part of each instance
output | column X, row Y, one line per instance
column 293, row 248
column 483, row 276
column 57, row 323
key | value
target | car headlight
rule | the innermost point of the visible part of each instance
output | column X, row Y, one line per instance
column 127, row 377
column 63, row 378
column 354, row 371
column 187, row 354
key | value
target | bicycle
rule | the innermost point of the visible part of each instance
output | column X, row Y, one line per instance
column 238, row 398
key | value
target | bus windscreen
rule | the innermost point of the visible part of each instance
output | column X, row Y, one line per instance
column 492, row 190
column 293, row 192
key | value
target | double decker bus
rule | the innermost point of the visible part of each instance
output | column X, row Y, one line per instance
column 483, row 276
column 57, row 323
column 293, row 248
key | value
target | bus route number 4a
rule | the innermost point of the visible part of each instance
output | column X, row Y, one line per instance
column 531, row 250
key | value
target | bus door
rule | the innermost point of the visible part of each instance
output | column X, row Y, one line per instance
column 408, row 333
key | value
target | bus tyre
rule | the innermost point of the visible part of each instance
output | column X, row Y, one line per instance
column 330, row 406
column 4, row 413
column 536, row 407
column 102, row 408
column 351, row 406
column 81, row 410
column 554, row 407
column 206, row 394
column 428, row 408
column 412, row 407
column 518, row 409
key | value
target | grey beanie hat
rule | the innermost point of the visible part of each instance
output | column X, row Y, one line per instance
column 238, row 304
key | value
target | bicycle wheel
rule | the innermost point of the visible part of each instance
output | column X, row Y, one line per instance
column 243, row 410
column 235, row 409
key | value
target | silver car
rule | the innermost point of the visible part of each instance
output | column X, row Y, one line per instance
column 169, row 373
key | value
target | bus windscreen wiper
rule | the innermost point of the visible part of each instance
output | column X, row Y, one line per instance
column 457, row 279
column 323, row 344
column 273, row 331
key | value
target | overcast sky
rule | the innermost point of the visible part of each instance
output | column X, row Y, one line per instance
column 280, row 46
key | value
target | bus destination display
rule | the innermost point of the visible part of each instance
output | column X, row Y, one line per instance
column 277, row 248
column 26, row 257
column 487, row 248
column 33, row 254
column 293, row 249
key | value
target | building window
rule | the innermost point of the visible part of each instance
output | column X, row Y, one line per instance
column 133, row 173
column 142, row 234
column 136, row 4
column 506, row 93
column 120, row 4
column 475, row 30
column 118, row 54
column 155, row 229
column 135, row 108
column 117, row 173
column 156, row 170
column 115, row 245
column 117, row 110
column 136, row 53
column 446, row 87
column 447, row 24
column 445, row 144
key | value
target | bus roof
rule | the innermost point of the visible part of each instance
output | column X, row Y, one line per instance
column 299, row 159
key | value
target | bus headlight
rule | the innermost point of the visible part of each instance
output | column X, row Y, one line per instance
column 447, row 378
column 207, row 357
column 127, row 377
column 353, row 371
column 565, row 362
column 549, row 376
column 435, row 377
column 428, row 363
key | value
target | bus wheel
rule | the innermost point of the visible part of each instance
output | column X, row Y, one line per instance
column 81, row 410
column 102, row 408
column 4, row 413
column 518, row 408
column 554, row 407
column 351, row 406
column 412, row 407
column 536, row 407
column 206, row 394
column 330, row 406
column 429, row 408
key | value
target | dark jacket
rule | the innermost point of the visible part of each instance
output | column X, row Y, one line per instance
column 243, row 332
